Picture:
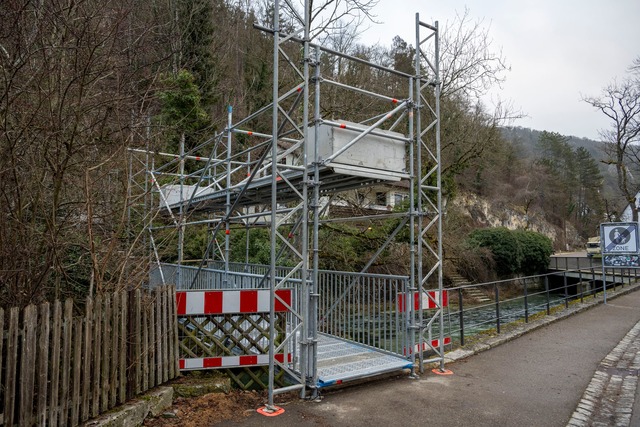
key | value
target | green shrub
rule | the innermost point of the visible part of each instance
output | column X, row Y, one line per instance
column 536, row 250
column 514, row 252
column 503, row 243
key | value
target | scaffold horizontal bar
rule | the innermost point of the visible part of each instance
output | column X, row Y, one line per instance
column 337, row 53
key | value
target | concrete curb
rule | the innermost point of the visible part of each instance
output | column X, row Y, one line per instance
column 135, row 411
column 459, row 354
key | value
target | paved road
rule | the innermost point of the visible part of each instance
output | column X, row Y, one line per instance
column 539, row 379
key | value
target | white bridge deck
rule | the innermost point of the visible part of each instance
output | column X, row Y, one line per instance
column 341, row 361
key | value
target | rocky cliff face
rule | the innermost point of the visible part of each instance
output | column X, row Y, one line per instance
column 484, row 213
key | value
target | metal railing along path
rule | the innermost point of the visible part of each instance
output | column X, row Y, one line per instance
column 357, row 307
column 518, row 299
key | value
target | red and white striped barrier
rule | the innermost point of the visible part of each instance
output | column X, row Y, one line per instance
column 425, row 346
column 230, row 302
column 430, row 299
column 230, row 361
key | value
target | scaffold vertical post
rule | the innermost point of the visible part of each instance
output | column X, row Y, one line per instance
column 274, row 201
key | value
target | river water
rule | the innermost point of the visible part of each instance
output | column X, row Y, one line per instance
column 480, row 318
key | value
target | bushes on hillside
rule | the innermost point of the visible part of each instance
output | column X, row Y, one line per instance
column 536, row 250
column 514, row 252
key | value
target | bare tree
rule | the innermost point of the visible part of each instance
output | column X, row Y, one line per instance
column 72, row 89
column 620, row 102
column 470, row 63
column 329, row 17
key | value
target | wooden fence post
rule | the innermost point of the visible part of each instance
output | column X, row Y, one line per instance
column 173, row 327
column 115, row 332
column 88, row 357
column 43, row 365
column 12, row 363
column 28, row 364
column 97, row 354
column 56, row 332
column 66, row 361
column 106, row 343
column 124, row 320
column 76, row 399
column 152, row 345
column 2, row 361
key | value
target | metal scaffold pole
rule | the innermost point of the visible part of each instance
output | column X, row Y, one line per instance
column 274, row 202
column 429, row 185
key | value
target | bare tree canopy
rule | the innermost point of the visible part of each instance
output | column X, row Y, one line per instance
column 329, row 17
column 620, row 102
column 470, row 63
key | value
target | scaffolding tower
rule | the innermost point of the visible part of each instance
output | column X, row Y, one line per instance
column 281, row 167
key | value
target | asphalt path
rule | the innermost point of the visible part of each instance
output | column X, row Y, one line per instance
column 535, row 380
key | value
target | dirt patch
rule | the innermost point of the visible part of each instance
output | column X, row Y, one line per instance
column 209, row 409
column 213, row 408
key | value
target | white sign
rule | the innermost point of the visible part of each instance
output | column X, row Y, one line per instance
column 619, row 237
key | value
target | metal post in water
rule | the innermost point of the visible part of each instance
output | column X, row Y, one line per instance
column 497, row 294
column 546, row 289
column 526, row 302
column 566, row 293
column 461, row 314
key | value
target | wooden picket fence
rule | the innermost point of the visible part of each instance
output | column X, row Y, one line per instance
column 61, row 370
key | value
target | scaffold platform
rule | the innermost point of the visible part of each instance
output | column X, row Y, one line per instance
column 341, row 361
column 333, row 179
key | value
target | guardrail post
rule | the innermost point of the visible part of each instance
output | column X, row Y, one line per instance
column 566, row 263
column 546, row 289
column 581, row 291
column 461, row 309
column 613, row 278
column 566, row 292
column 526, row 302
column 497, row 293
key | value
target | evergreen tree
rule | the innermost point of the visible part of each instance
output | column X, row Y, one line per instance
column 589, row 198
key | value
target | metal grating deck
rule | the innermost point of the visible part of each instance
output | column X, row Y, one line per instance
column 340, row 361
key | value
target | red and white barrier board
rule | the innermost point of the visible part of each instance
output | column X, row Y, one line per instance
column 243, row 301
column 425, row 346
column 230, row 361
column 230, row 301
column 429, row 300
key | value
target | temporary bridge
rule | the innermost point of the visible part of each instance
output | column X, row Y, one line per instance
column 280, row 168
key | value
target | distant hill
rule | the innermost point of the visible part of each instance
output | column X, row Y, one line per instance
column 527, row 140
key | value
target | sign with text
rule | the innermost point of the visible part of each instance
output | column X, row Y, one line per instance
column 619, row 238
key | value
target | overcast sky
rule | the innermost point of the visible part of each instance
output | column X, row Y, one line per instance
column 558, row 50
